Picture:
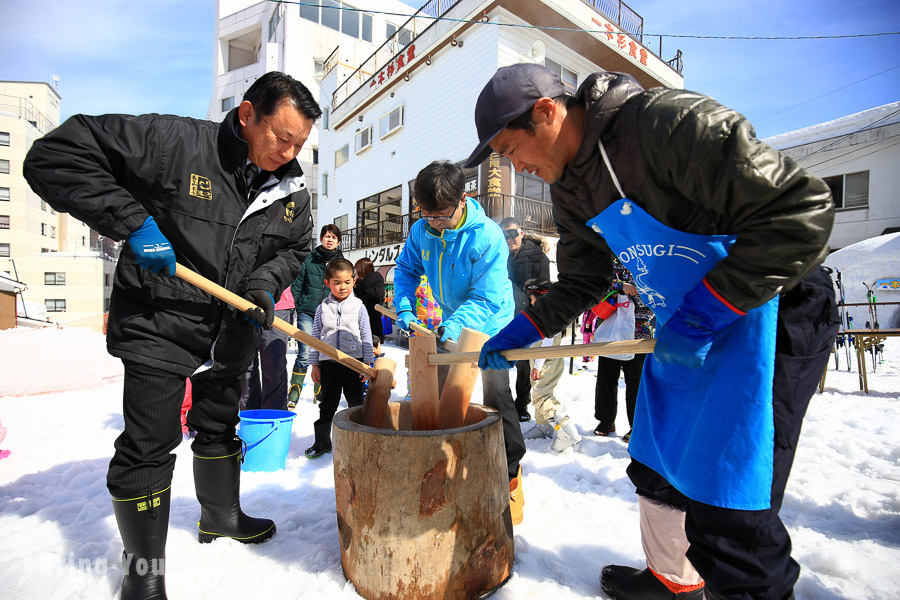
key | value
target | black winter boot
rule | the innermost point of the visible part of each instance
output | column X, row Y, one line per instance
column 322, row 444
column 625, row 583
column 217, row 480
column 143, row 524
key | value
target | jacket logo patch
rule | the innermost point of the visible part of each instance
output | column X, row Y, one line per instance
column 426, row 255
column 289, row 212
column 201, row 187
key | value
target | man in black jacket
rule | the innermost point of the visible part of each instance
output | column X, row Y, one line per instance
column 526, row 261
column 230, row 202
column 723, row 236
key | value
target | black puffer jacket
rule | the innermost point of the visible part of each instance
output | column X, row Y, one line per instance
column 371, row 291
column 113, row 171
column 529, row 262
column 694, row 166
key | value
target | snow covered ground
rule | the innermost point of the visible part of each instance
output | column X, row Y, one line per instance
column 59, row 538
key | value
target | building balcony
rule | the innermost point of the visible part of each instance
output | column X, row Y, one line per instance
column 617, row 43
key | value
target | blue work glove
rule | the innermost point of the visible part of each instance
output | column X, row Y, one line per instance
column 151, row 248
column 263, row 314
column 449, row 331
column 520, row 333
column 686, row 338
column 405, row 315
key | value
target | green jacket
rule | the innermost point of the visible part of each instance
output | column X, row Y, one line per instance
column 309, row 287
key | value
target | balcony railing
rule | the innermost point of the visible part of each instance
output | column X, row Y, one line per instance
column 535, row 216
column 615, row 10
column 24, row 109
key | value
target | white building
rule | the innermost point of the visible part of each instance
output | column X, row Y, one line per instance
column 56, row 256
column 407, row 96
column 253, row 38
column 413, row 102
column 857, row 156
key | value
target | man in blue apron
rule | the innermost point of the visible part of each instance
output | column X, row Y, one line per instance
column 724, row 236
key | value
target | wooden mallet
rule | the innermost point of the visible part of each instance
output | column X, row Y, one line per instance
column 381, row 378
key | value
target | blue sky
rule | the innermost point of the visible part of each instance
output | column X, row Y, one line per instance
column 156, row 56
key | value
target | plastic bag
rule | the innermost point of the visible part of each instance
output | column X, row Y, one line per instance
column 618, row 326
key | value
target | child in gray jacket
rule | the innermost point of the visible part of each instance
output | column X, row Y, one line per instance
column 341, row 321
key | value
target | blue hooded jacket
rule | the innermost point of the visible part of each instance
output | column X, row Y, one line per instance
column 466, row 268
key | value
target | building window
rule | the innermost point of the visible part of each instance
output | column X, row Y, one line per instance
column 342, row 222
column 44, row 229
column 325, row 184
column 4, row 138
column 276, row 18
column 4, row 194
column 325, row 114
column 315, row 153
column 55, row 305
column 4, row 249
column 850, row 190
column 227, row 103
column 568, row 77
column 341, row 155
column 348, row 21
column 532, row 187
column 106, row 305
column 54, row 279
column 53, row 232
column 318, row 68
column 391, row 122
column 107, row 279
column 378, row 218
column 314, row 200
column 364, row 139
column 4, row 221
column 4, row 166
column 401, row 40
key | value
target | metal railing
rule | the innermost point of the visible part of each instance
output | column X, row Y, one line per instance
column 395, row 45
column 24, row 109
column 621, row 14
column 331, row 62
column 388, row 231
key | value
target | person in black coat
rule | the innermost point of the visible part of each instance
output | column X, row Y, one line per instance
column 370, row 289
column 526, row 261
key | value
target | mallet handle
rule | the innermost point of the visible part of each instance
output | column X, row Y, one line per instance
column 448, row 345
column 242, row 304
column 599, row 349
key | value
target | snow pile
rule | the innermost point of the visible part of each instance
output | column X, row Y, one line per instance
column 51, row 359
column 862, row 264
column 60, row 540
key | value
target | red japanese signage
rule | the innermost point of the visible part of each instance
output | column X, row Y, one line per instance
column 618, row 39
column 394, row 67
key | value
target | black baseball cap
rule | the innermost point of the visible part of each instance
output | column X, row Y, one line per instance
column 510, row 92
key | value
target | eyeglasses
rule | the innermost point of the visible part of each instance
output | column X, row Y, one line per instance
column 441, row 218
column 511, row 234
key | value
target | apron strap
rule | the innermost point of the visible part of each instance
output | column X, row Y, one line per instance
column 610, row 169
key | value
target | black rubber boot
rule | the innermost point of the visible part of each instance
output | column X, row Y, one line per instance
column 143, row 524
column 217, row 480
column 322, row 443
column 625, row 583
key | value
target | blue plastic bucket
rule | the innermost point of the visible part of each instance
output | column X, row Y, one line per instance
column 267, row 434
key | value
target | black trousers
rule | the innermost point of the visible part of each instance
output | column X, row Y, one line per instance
column 271, row 362
column 607, row 391
column 747, row 554
column 523, row 385
column 337, row 378
column 152, row 401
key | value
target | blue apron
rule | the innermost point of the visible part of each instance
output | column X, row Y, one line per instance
column 708, row 431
